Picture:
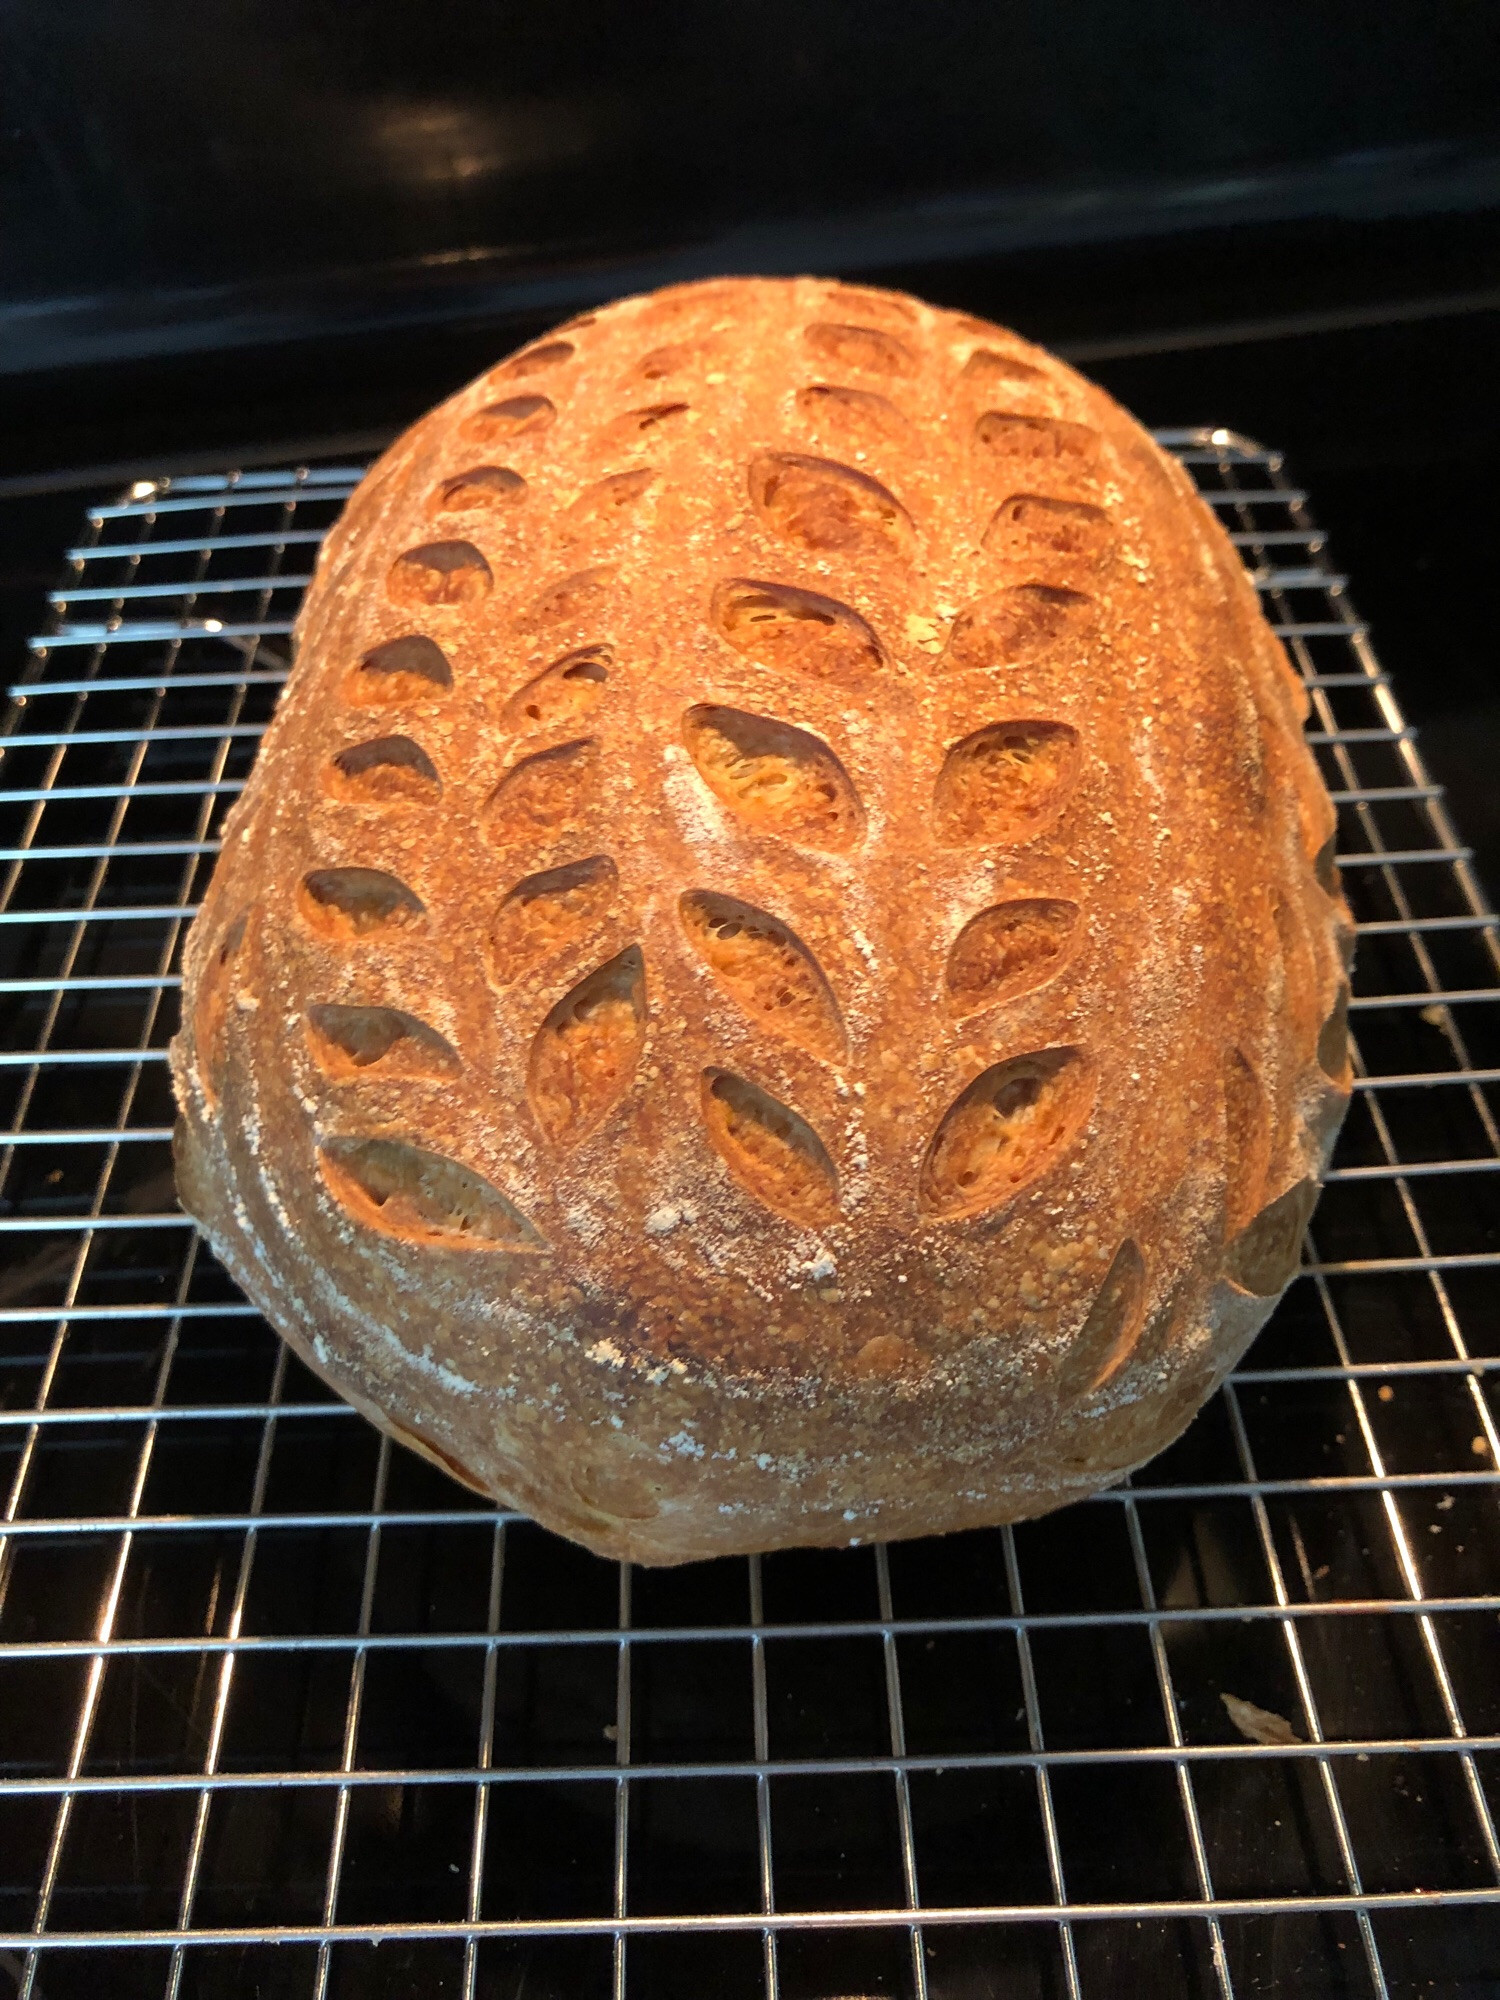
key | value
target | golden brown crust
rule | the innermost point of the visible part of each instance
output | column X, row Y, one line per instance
column 770, row 984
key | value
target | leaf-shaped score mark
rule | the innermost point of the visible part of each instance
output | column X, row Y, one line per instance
column 439, row 573
column 215, row 980
column 766, row 969
column 545, row 913
column 769, row 1150
column 562, row 692
column 1109, row 1334
column 1326, row 867
column 345, row 1040
column 481, row 488
column 796, row 631
column 586, row 1051
column 404, row 1191
column 776, row 778
column 1005, row 783
column 532, row 360
column 829, row 508
column 1247, row 1142
column 572, row 598
column 391, row 770
column 635, row 429
column 608, row 506
column 543, row 795
column 1009, row 949
column 674, row 357
column 1263, row 1258
column 1006, row 1129
column 987, row 368
column 344, row 903
column 1333, row 1038
column 1033, row 528
column 1021, row 623
column 407, row 669
column 852, row 416
column 870, row 303
column 516, row 416
column 1002, row 434
column 863, row 347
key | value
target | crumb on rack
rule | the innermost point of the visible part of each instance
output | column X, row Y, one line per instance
column 1258, row 1725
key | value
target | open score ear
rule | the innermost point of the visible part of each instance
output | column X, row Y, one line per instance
column 770, row 1149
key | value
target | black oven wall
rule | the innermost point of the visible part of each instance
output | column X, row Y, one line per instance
column 192, row 175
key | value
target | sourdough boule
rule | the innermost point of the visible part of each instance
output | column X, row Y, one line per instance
column 778, row 978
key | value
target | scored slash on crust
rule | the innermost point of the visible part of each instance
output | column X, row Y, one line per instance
column 585, row 1053
column 405, row 1191
column 766, row 969
column 1005, row 1130
column 796, row 631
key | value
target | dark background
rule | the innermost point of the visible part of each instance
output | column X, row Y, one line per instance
column 252, row 228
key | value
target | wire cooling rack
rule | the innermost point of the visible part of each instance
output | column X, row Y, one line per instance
column 283, row 1712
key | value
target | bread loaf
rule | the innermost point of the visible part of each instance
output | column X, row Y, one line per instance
column 779, row 978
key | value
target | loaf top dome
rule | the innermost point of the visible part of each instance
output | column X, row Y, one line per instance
column 787, row 857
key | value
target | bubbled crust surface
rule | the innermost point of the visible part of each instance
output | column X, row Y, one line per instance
column 810, row 1007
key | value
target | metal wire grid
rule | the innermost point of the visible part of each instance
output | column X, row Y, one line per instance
column 273, row 1694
